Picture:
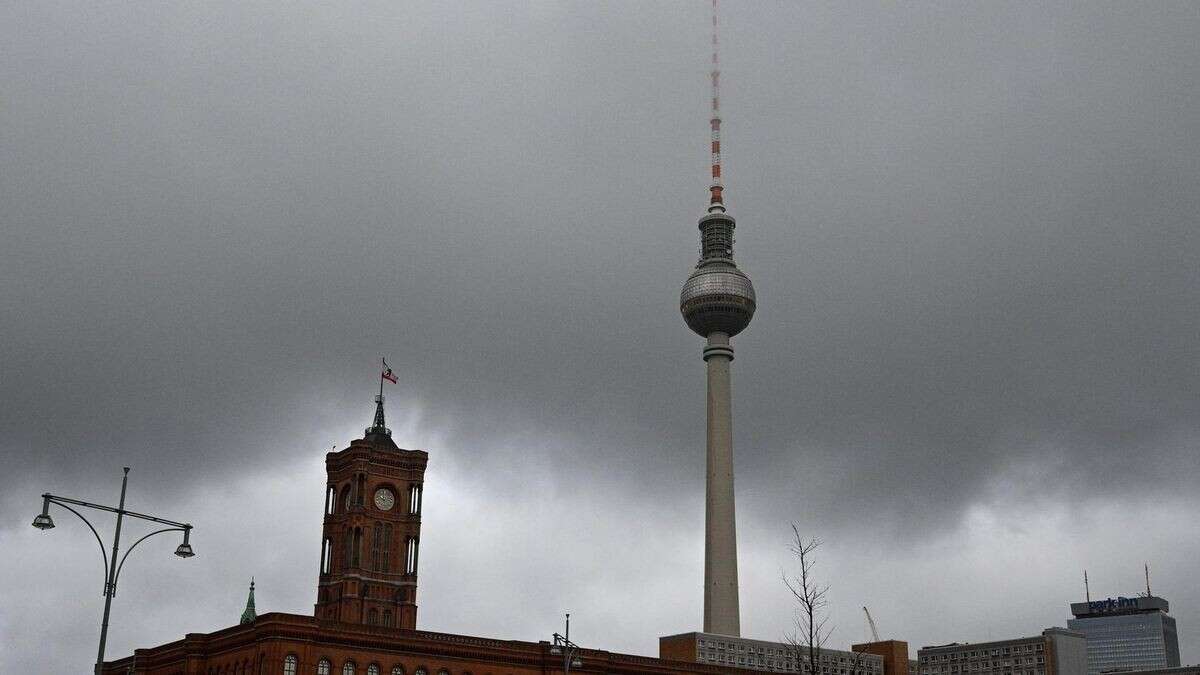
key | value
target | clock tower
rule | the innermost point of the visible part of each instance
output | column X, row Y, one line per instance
column 372, row 533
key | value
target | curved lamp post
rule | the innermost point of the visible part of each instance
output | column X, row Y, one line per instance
column 569, row 651
column 112, row 567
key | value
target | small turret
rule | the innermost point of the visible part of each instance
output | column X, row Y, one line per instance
column 249, row 615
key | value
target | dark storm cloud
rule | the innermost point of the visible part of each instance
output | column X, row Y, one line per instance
column 972, row 229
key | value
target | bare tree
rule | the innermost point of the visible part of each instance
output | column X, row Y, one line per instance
column 811, row 618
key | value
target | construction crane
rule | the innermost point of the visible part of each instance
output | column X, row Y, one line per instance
column 871, row 623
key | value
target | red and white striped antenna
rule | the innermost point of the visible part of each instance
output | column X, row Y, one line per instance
column 716, row 202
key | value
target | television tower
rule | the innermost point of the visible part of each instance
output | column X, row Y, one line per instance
column 717, row 302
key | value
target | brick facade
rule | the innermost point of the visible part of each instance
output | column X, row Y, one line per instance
column 372, row 534
column 894, row 653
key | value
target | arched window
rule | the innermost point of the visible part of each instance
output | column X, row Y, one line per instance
column 373, row 669
column 376, row 545
column 414, row 499
column 420, row 671
column 348, row 548
column 410, row 556
column 397, row 670
column 366, row 591
column 347, row 498
column 361, row 489
column 324, row 667
column 372, row 617
column 289, row 664
column 326, row 555
column 387, row 548
column 348, row 669
column 330, row 500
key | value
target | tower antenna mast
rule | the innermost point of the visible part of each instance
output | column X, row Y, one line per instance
column 716, row 200
column 1087, row 592
column 1147, row 567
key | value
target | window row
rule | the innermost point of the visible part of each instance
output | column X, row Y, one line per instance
column 384, row 592
column 291, row 666
column 381, row 550
column 355, row 494
column 374, row 618
column 984, row 653
column 863, row 659
column 784, row 664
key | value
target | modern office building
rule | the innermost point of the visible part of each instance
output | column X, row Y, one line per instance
column 738, row 652
column 1056, row 651
column 1127, row 633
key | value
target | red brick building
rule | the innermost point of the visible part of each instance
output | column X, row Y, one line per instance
column 364, row 620
column 292, row 644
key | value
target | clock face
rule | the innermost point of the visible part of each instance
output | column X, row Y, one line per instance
column 384, row 499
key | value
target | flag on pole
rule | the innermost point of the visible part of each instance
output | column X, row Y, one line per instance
column 387, row 374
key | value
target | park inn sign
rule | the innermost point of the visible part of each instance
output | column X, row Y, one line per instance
column 1119, row 605
column 1111, row 604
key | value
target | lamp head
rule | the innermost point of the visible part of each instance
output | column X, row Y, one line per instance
column 44, row 521
column 184, row 550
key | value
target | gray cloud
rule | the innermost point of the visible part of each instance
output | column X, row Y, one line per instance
column 972, row 228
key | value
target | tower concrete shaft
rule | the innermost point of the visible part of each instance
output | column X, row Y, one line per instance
column 721, row 613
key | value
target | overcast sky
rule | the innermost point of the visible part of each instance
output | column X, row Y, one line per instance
column 973, row 371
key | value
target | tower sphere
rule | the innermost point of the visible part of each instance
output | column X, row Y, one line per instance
column 717, row 297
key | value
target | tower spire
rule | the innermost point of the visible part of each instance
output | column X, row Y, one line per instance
column 379, row 426
column 716, row 200
column 249, row 615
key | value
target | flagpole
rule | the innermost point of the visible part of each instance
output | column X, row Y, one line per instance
column 382, row 370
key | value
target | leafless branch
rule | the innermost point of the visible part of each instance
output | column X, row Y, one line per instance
column 812, row 629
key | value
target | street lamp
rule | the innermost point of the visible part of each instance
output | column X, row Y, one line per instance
column 562, row 646
column 112, row 567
